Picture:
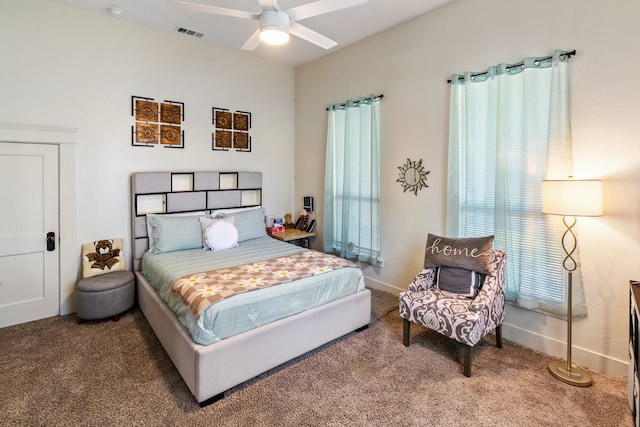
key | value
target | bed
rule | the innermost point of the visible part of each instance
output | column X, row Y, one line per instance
column 227, row 343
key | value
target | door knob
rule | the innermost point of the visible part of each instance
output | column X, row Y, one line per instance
column 51, row 241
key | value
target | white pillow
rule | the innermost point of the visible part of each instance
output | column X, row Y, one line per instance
column 206, row 222
column 221, row 236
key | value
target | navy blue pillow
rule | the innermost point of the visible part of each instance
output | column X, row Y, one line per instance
column 466, row 283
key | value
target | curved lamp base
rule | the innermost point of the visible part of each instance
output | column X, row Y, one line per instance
column 576, row 376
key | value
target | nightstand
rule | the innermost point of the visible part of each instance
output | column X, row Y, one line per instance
column 291, row 235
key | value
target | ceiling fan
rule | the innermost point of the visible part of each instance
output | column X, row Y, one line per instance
column 276, row 24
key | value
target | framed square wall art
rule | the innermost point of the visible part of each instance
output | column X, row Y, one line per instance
column 146, row 133
column 170, row 113
column 223, row 119
column 170, row 135
column 241, row 141
column 231, row 130
column 157, row 123
column 222, row 140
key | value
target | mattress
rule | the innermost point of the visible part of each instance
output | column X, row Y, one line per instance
column 247, row 310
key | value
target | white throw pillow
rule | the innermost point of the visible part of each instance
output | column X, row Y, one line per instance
column 221, row 236
column 206, row 222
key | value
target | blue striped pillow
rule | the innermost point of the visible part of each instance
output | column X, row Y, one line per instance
column 175, row 233
column 249, row 222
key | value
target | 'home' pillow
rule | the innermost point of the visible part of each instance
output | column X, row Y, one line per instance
column 472, row 253
column 459, row 281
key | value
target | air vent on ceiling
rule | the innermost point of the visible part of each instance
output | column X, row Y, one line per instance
column 189, row 32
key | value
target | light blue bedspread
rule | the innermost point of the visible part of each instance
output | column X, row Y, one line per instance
column 247, row 310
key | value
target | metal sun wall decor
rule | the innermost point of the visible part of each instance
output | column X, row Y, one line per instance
column 231, row 130
column 157, row 122
column 413, row 177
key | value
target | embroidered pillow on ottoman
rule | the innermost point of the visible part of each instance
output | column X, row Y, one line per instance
column 102, row 256
column 472, row 253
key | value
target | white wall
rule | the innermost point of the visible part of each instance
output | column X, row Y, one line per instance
column 66, row 68
column 410, row 64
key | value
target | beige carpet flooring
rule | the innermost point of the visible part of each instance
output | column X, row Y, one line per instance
column 55, row 372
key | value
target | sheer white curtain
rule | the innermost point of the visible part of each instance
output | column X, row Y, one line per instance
column 352, row 181
column 510, row 129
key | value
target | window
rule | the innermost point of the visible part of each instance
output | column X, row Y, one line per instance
column 509, row 130
column 352, row 181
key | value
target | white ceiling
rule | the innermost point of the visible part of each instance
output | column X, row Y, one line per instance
column 345, row 26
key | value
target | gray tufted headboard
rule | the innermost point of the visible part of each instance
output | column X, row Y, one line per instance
column 179, row 192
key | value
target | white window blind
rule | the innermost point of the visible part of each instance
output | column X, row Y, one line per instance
column 352, row 181
column 509, row 130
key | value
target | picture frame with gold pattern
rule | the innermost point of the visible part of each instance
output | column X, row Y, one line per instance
column 170, row 113
column 145, row 133
column 241, row 121
column 155, row 123
column 241, row 141
column 171, row 136
column 146, row 110
column 223, row 119
column 231, row 130
column 222, row 140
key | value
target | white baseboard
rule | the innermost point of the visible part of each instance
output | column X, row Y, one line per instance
column 382, row 286
column 588, row 359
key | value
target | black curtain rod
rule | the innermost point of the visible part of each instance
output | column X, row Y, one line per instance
column 568, row 54
column 368, row 99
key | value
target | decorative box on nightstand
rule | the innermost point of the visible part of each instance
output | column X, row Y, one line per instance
column 276, row 229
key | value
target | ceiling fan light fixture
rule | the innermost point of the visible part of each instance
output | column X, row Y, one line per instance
column 274, row 27
column 274, row 36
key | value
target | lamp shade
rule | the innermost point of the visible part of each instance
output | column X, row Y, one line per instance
column 571, row 197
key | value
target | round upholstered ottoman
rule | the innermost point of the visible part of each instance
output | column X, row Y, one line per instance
column 106, row 295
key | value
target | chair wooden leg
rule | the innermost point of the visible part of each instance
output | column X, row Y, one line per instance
column 467, row 360
column 406, row 326
column 499, row 336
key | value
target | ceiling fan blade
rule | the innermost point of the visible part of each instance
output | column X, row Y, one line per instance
column 253, row 42
column 320, row 7
column 196, row 7
column 311, row 36
column 268, row 4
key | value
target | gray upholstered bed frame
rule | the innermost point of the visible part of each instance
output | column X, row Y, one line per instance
column 210, row 370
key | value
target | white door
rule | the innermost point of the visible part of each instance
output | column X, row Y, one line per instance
column 29, row 273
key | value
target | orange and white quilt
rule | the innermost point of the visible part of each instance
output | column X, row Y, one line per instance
column 200, row 290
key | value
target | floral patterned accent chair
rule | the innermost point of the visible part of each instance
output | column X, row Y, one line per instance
column 459, row 293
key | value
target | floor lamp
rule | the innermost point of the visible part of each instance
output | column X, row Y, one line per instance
column 571, row 198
